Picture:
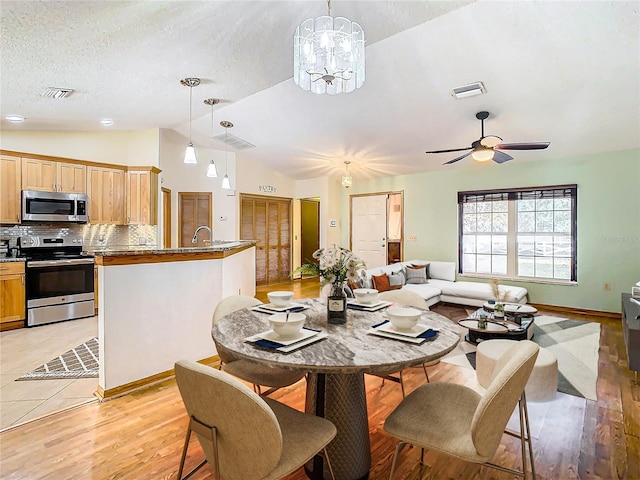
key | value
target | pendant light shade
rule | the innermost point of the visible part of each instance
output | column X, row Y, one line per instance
column 212, row 171
column 190, row 153
column 226, row 184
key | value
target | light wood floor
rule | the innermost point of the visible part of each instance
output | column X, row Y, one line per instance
column 140, row 436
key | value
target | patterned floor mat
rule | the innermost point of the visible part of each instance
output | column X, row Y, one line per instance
column 79, row 362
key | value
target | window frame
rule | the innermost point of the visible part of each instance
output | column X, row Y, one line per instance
column 511, row 195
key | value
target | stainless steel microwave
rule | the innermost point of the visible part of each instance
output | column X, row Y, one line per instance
column 54, row 207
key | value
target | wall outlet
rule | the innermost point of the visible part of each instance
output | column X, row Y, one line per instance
column 222, row 218
column 607, row 287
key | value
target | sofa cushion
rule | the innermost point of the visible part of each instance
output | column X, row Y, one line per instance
column 478, row 291
column 416, row 274
column 388, row 269
column 381, row 282
column 430, row 293
column 396, row 280
column 438, row 270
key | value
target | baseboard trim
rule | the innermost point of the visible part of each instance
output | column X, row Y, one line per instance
column 11, row 325
column 127, row 388
column 576, row 310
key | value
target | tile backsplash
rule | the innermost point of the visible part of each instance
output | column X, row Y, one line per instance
column 94, row 236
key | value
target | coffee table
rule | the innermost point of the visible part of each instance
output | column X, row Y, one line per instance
column 513, row 311
column 504, row 329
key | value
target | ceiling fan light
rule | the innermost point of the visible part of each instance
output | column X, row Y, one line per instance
column 212, row 171
column 482, row 154
column 190, row 154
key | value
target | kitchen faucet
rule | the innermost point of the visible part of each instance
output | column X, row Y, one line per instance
column 195, row 235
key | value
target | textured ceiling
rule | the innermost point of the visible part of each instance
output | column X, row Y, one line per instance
column 564, row 72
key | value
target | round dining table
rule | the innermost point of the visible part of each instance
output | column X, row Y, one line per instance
column 335, row 367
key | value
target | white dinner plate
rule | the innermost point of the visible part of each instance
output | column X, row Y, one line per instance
column 418, row 329
column 274, row 337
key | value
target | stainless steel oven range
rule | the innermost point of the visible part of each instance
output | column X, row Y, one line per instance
column 59, row 279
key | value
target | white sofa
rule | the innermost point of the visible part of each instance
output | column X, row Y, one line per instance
column 442, row 286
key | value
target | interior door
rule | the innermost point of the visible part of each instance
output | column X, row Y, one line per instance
column 166, row 217
column 369, row 228
column 267, row 220
column 194, row 210
column 309, row 229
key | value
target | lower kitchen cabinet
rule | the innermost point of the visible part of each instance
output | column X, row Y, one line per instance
column 12, row 295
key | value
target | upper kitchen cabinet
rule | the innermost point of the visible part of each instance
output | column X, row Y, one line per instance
column 10, row 184
column 52, row 176
column 142, row 195
column 106, row 190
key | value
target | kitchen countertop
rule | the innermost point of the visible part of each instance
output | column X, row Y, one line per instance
column 11, row 259
column 143, row 254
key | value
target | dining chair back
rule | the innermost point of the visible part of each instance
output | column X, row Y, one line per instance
column 226, row 306
column 242, row 435
column 458, row 421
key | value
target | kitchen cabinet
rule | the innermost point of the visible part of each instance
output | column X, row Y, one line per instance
column 142, row 195
column 52, row 176
column 12, row 294
column 106, row 190
column 10, row 185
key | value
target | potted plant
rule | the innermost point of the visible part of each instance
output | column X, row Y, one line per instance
column 499, row 294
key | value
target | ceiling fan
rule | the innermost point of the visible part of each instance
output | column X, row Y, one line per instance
column 489, row 147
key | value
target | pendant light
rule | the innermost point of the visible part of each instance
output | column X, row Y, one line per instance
column 190, row 152
column 226, row 185
column 347, row 180
column 212, row 171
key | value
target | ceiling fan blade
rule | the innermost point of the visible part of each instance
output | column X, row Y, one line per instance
column 456, row 159
column 501, row 157
column 523, row 146
column 451, row 150
column 490, row 141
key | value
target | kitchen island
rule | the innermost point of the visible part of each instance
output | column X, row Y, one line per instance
column 156, row 307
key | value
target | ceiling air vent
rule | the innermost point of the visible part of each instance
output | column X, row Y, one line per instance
column 54, row 92
column 471, row 90
column 233, row 141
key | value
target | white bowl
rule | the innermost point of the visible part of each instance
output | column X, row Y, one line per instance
column 366, row 295
column 280, row 299
column 403, row 318
column 287, row 328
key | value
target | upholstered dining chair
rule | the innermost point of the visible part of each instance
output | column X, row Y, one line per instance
column 459, row 422
column 410, row 299
column 245, row 436
column 258, row 375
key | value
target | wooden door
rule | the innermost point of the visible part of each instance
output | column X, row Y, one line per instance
column 10, row 186
column 310, row 229
column 267, row 220
column 38, row 175
column 194, row 210
column 71, row 177
column 166, row 217
column 142, row 197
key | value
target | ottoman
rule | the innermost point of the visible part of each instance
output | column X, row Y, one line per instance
column 543, row 382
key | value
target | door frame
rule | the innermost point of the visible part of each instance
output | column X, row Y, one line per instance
column 390, row 192
column 166, row 217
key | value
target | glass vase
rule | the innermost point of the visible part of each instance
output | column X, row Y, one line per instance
column 337, row 304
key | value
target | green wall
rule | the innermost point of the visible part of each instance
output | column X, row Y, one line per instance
column 608, row 218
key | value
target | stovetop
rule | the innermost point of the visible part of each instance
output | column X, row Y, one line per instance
column 40, row 247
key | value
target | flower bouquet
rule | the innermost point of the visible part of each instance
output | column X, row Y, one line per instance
column 335, row 266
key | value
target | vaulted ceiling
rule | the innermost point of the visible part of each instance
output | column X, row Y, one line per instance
column 563, row 72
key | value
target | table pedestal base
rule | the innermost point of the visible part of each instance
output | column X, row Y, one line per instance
column 342, row 400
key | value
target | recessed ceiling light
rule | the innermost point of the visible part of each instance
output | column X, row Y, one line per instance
column 14, row 118
column 107, row 122
column 471, row 90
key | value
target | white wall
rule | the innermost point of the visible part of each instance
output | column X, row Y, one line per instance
column 138, row 147
column 178, row 177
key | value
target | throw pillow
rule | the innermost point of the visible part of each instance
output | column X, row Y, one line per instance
column 423, row 265
column 381, row 282
column 416, row 274
column 396, row 280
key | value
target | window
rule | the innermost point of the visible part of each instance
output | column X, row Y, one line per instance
column 524, row 232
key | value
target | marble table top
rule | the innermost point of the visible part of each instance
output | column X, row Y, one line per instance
column 347, row 348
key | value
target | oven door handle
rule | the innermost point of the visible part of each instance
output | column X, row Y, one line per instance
column 53, row 263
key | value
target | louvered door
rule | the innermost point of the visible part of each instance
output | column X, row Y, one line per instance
column 267, row 220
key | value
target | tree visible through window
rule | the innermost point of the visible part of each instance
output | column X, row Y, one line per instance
column 528, row 232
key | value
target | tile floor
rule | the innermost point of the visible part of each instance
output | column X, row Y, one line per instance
column 25, row 349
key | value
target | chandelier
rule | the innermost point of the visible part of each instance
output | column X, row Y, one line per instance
column 328, row 55
column 347, row 179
